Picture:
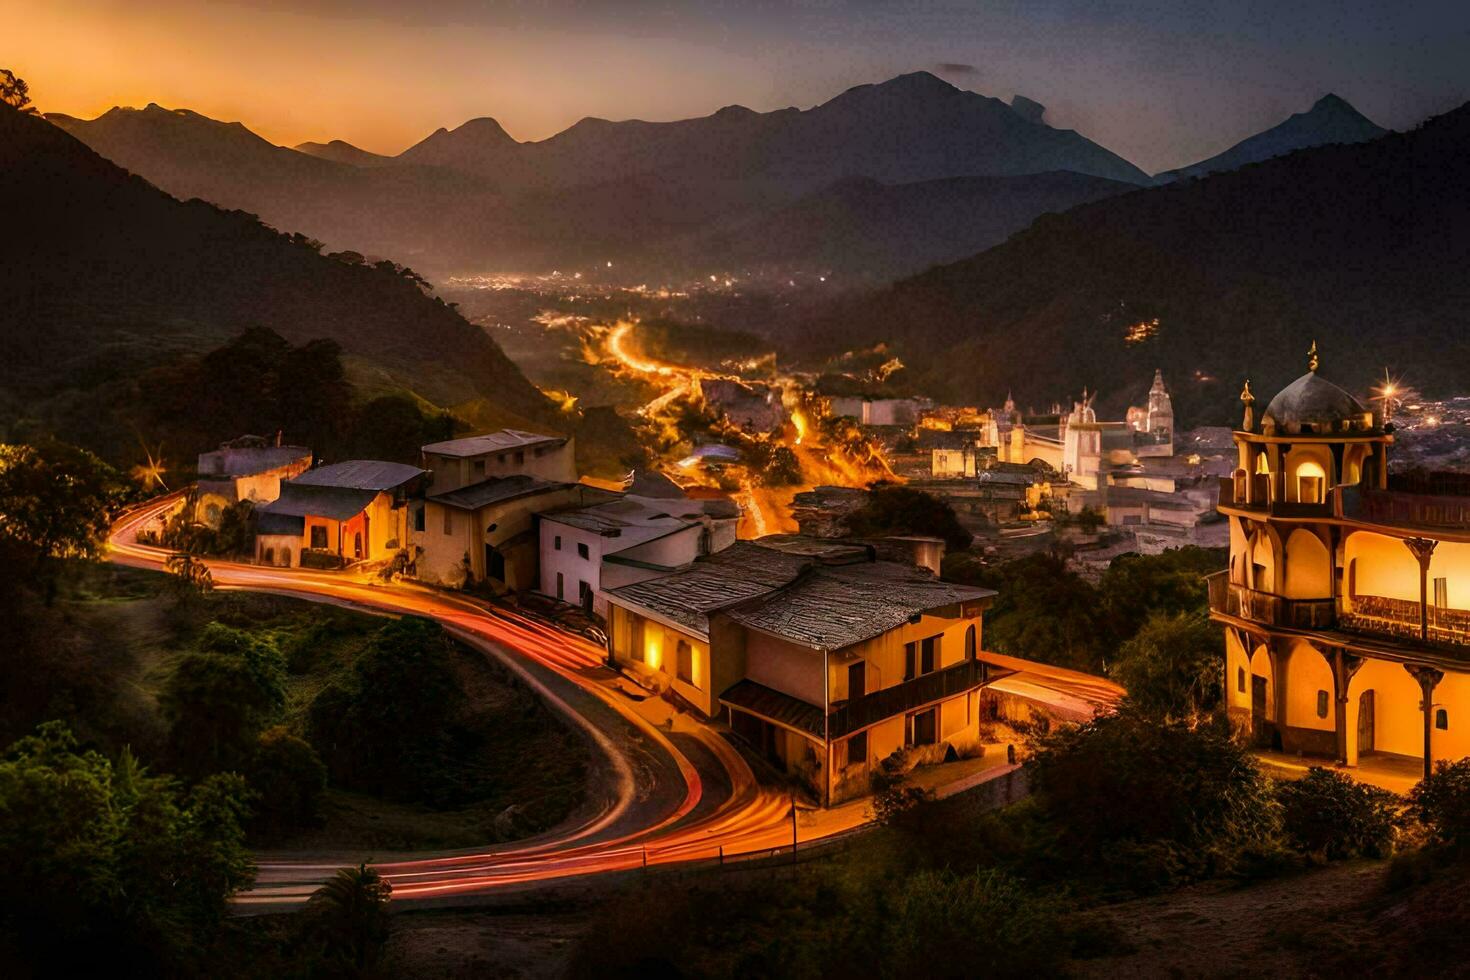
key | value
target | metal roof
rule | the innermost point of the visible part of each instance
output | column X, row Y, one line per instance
column 250, row 460
column 490, row 442
column 359, row 474
column 495, row 490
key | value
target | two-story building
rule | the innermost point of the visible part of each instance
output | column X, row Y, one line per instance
column 351, row 511
column 1346, row 605
column 823, row 658
column 457, row 463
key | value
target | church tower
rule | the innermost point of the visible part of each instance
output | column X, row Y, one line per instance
column 1159, row 423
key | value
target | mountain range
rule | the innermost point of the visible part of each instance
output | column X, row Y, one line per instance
column 473, row 198
column 1360, row 247
column 108, row 276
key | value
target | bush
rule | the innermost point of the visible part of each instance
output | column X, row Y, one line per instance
column 1174, row 667
column 1442, row 804
column 219, row 699
column 288, row 778
column 1146, row 804
column 1330, row 816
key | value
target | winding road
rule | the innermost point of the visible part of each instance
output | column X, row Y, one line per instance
column 658, row 808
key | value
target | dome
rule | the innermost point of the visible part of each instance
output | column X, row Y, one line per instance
column 1313, row 403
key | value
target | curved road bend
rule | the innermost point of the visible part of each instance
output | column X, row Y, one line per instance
column 655, row 811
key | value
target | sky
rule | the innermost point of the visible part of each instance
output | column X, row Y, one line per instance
column 1162, row 83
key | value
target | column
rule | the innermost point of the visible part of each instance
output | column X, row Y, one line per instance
column 1423, row 550
column 1283, row 653
column 1428, row 679
column 1344, row 666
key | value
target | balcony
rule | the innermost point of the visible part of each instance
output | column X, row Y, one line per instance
column 1265, row 607
column 1257, row 494
column 937, row 685
column 1400, row 619
column 1395, row 508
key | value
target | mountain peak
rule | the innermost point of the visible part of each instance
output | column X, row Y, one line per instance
column 1028, row 109
column 484, row 127
column 1332, row 101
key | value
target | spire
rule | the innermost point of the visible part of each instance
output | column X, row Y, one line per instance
column 1312, row 359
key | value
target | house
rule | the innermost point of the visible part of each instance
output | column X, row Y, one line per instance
column 247, row 468
column 351, row 511
column 824, row 658
column 629, row 538
column 487, row 531
column 459, row 463
column 1346, row 604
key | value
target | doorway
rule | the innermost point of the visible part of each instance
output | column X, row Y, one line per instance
column 1365, row 722
column 925, row 727
column 1258, row 710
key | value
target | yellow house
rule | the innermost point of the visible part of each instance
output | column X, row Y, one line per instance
column 1346, row 605
column 826, row 660
column 245, row 469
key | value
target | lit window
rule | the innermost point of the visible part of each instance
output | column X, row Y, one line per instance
column 1321, row 704
column 1442, row 720
column 684, row 665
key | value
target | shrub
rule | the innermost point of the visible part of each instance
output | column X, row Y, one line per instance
column 1173, row 668
column 1442, row 804
column 288, row 778
column 1144, row 803
column 1330, row 816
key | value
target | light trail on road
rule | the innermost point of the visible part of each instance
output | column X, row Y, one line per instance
column 626, row 833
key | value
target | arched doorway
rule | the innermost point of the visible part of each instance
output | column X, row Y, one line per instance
column 357, row 545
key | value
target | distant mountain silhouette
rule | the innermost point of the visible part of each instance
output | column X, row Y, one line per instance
column 1360, row 247
column 107, row 276
column 1330, row 120
column 474, row 198
column 866, row 229
column 340, row 151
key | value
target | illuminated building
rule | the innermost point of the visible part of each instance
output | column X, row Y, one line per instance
column 351, row 511
column 1346, row 605
column 459, row 463
column 823, row 658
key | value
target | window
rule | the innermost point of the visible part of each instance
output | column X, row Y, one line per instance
column 448, row 520
column 583, row 592
column 357, row 545
column 556, row 542
column 560, row 585
column 478, row 466
column 318, row 537
column 1442, row 719
column 970, row 642
column 1321, row 704
column 857, row 680
column 520, row 457
column 909, row 650
column 925, row 728
column 635, row 637
column 857, row 749
column 418, row 517
column 1240, row 679
column 929, row 653
column 1311, row 483
column 582, row 551
column 684, row 663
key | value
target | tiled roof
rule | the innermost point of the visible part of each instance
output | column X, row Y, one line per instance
column 835, row 607
column 634, row 519
column 494, row 490
column 490, row 442
column 783, row 709
column 359, row 474
column 250, row 460
column 742, row 571
column 303, row 500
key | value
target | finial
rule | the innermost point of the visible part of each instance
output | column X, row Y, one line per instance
column 1249, row 399
column 1312, row 358
column 1245, row 394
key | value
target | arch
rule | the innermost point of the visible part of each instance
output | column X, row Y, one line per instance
column 1263, row 665
column 1308, row 567
column 1311, row 483
column 357, row 545
column 1263, row 561
column 270, row 556
column 970, row 642
column 1397, row 724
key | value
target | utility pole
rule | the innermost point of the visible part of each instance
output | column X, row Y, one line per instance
column 793, row 829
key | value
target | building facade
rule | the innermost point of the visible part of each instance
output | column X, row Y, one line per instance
column 824, row 659
column 248, row 468
column 345, row 512
column 463, row 462
column 1346, row 605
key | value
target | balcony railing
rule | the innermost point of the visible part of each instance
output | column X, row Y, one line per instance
column 1268, row 608
column 1399, row 618
column 1258, row 496
column 935, row 686
column 1398, row 509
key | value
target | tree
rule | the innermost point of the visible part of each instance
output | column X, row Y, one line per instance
column 351, row 915
column 1045, row 611
column 1136, row 586
column 288, row 778
column 395, row 427
column 55, row 502
column 1442, row 804
column 220, row 698
column 14, row 92
column 903, row 510
column 1145, row 803
column 1174, row 667
column 109, row 862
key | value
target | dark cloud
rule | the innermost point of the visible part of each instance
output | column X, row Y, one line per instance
column 956, row 68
